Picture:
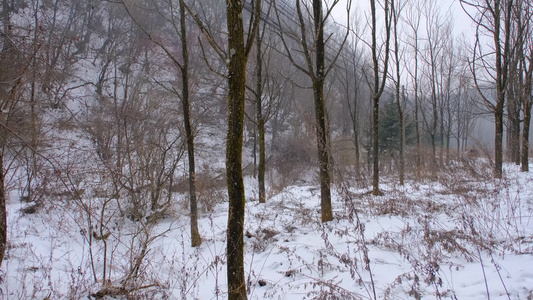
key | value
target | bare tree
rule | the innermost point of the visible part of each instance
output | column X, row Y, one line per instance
column 176, row 18
column 235, row 59
column 523, row 18
column 396, row 9
column 19, row 103
column 238, row 54
column 413, row 19
column 196, row 239
column 464, row 110
column 517, row 79
column 9, row 83
column 138, row 145
column 258, row 92
column 377, row 82
column 451, row 88
column 512, row 125
column 493, row 18
column 269, row 86
column 433, row 53
column 350, row 79
column 313, row 49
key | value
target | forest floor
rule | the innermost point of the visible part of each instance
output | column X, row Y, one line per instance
column 463, row 236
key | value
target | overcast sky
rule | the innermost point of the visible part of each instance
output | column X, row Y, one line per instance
column 462, row 23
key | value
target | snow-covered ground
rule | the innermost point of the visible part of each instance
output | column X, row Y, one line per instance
column 460, row 237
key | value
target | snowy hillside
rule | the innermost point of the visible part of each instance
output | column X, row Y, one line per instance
column 449, row 239
column 387, row 149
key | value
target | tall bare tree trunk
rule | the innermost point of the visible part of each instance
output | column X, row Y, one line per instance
column 413, row 19
column 498, row 142
column 350, row 83
column 7, row 60
column 313, row 51
column 196, row 239
column 449, row 121
column 355, row 121
column 495, row 17
column 401, row 131
column 238, row 53
column 525, row 136
column 513, row 121
column 260, row 119
column 3, row 214
column 320, row 115
column 375, row 146
column 355, row 126
column 440, row 131
column 377, row 87
column 526, row 95
column 502, row 76
column 527, row 100
column 417, row 129
column 434, row 124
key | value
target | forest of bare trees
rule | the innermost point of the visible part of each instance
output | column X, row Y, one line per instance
column 115, row 107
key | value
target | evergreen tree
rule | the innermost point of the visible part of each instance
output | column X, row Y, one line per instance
column 389, row 123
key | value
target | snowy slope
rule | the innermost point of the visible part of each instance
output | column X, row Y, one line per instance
column 450, row 239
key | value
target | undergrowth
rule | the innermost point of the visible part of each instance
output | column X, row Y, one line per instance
column 431, row 229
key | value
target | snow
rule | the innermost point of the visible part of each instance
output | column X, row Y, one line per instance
column 459, row 236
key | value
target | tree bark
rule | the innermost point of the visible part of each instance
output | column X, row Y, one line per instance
column 260, row 120
column 399, row 101
column 449, row 115
column 375, row 146
column 350, row 83
column 502, row 75
column 417, row 127
column 413, row 21
column 527, row 100
column 513, row 123
column 3, row 214
column 524, row 12
column 355, row 127
column 377, row 87
column 355, row 120
column 235, row 185
column 320, row 115
column 315, row 68
column 7, row 59
column 433, row 133
column 525, row 136
column 498, row 142
column 196, row 239
column 401, row 129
